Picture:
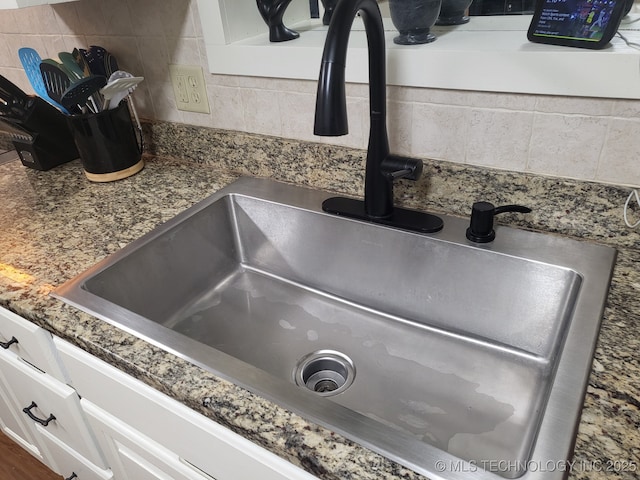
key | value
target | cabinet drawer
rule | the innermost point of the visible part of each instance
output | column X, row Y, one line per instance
column 66, row 462
column 29, row 342
column 133, row 456
column 43, row 397
column 197, row 440
column 14, row 426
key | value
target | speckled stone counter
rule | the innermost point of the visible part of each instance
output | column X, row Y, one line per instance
column 56, row 224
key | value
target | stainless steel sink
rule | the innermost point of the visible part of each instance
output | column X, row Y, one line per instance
column 426, row 348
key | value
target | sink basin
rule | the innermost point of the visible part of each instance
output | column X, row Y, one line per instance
column 452, row 358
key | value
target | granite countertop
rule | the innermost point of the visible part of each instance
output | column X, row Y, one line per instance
column 57, row 224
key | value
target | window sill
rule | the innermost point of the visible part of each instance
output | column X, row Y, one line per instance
column 476, row 56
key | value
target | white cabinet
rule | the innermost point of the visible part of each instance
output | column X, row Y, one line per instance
column 7, row 4
column 143, row 430
column 66, row 461
column 49, row 403
column 38, row 410
column 30, row 342
column 13, row 425
column 133, row 456
column 90, row 421
column 22, row 339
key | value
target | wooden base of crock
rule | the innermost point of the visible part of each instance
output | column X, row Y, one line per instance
column 113, row 176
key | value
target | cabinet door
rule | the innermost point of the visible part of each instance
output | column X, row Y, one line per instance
column 66, row 462
column 43, row 399
column 132, row 455
column 31, row 343
column 192, row 437
column 13, row 425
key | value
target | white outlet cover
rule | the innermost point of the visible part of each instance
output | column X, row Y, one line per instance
column 189, row 88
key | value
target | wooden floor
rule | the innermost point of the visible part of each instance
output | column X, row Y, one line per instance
column 17, row 464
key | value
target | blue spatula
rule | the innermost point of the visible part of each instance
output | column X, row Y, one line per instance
column 31, row 60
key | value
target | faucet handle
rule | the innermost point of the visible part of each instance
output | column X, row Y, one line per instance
column 481, row 227
column 395, row 167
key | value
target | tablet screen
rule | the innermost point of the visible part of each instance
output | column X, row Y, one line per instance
column 582, row 23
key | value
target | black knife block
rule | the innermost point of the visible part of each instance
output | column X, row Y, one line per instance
column 52, row 143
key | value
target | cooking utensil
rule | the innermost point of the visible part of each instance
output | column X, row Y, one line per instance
column 80, row 92
column 120, row 74
column 95, row 59
column 10, row 114
column 117, row 89
column 55, row 80
column 70, row 64
column 16, row 113
column 79, row 58
column 11, row 109
column 31, row 60
column 11, row 93
column 64, row 69
column 110, row 64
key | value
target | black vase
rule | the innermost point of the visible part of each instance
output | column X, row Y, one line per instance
column 628, row 6
column 413, row 19
column 329, row 7
column 453, row 12
column 272, row 12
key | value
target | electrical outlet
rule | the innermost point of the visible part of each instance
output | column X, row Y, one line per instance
column 189, row 88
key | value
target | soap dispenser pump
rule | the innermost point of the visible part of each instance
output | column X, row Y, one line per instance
column 481, row 227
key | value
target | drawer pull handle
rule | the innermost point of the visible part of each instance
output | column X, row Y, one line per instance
column 44, row 423
column 6, row 345
column 73, row 475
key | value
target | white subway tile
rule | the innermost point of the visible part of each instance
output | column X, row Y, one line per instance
column 498, row 138
column 6, row 54
column 226, row 107
column 117, row 18
column 626, row 108
column 440, row 132
column 506, row 101
column 8, row 22
column 261, row 112
column 297, row 115
column 146, row 16
column 620, row 160
column 74, row 41
column 142, row 101
column 67, row 18
column 176, row 18
column 429, row 95
column 15, row 42
column 42, row 19
column 196, row 118
column 164, row 104
column 54, row 44
column 400, row 127
column 155, row 59
column 574, row 105
column 567, row 145
column 184, row 51
column 90, row 14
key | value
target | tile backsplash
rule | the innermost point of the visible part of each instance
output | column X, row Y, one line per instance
column 571, row 137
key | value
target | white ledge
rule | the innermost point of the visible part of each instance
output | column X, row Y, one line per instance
column 488, row 54
column 11, row 4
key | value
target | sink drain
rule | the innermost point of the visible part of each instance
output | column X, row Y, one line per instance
column 325, row 372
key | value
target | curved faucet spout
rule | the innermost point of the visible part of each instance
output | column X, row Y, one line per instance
column 331, row 110
column 331, row 120
column 331, row 105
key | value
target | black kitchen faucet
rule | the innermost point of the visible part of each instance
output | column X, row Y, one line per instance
column 382, row 168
